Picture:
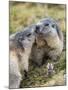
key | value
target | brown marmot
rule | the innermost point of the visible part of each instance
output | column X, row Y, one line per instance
column 20, row 49
column 49, row 41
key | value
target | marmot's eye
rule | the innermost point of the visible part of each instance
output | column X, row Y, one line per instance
column 46, row 24
column 28, row 34
column 53, row 25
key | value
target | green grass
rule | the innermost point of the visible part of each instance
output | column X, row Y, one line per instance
column 38, row 76
column 24, row 14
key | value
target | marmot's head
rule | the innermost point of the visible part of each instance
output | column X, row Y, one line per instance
column 47, row 28
column 26, row 38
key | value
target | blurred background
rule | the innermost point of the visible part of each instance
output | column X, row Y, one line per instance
column 23, row 14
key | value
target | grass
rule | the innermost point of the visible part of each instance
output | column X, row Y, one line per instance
column 24, row 14
column 38, row 76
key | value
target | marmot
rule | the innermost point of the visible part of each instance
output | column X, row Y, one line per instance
column 20, row 49
column 49, row 41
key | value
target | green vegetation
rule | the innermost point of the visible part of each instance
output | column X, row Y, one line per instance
column 25, row 14
column 37, row 76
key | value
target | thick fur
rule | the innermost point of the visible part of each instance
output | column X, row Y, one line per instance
column 49, row 41
column 20, row 49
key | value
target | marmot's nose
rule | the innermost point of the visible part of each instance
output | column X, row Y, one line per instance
column 38, row 29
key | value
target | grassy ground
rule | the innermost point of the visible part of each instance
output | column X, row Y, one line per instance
column 24, row 14
column 38, row 76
